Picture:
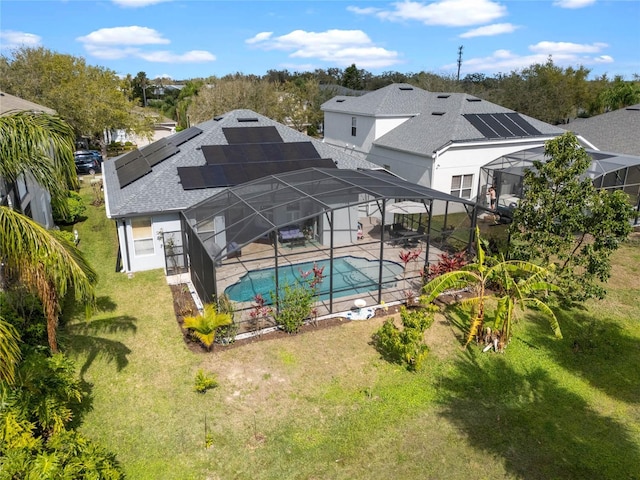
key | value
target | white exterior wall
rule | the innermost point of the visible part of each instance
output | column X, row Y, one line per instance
column 165, row 222
column 337, row 131
column 345, row 227
column 410, row 167
column 385, row 125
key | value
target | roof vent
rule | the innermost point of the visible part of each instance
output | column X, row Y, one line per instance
column 444, row 96
column 340, row 100
column 218, row 118
column 247, row 119
column 634, row 109
column 406, row 88
column 438, row 114
column 473, row 99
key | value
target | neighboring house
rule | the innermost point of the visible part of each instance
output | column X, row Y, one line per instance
column 162, row 127
column 616, row 131
column 439, row 140
column 147, row 189
column 25, row 194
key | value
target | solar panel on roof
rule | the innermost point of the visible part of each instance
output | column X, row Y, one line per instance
column 191, row 178
column 161, row 154
column 526, row 126
column 253, row 152
column 501, row 125
column 230, row 174
column 238, row 135
column 513, row 127
column 153, row 147
column 214, row 154
column 480, row 125
column 496, row 125
column 127, row 158
column 307, row 150
column 184, row 136
column 132, row 171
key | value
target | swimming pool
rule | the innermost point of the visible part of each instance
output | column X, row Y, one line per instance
column 351, row 275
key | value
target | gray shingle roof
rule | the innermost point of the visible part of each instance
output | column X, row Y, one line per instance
column 395, row 99
column 10, row 103
column 617, row 131
column 161, row 191
column 428, row 132
column 436, row 118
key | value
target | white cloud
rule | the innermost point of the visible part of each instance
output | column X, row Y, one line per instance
column 552, row 48
column 573, row 3
column 137, row 3
column 449, row 13
column 10, row 39
column 259, row 38
column 132, row 35
column 342, row 47
column 490, row 30
column 121, row 42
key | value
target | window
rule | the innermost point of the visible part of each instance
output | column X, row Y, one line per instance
column 142, row 236
column 353, row 126
column 461, row 186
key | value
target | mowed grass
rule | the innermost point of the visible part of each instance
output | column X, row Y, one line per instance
column 324, row 405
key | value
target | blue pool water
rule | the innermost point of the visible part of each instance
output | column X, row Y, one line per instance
column 351, row 275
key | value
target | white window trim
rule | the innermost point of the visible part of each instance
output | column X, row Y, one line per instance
column 143, row 246
column 465, row 189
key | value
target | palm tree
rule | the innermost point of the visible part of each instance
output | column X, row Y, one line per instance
column 9, row 351
column 41, row 145
column 46, row 263
column 517, row 283
column 204, row 326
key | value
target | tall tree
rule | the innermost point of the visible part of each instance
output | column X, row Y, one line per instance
column 88, row 98
column 353, row 78
column 43, row 261
column 563, row 219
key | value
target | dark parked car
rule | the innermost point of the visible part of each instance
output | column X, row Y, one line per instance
column 88, row 161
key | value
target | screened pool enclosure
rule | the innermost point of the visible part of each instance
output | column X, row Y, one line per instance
column 338, row 218
column 608, row 171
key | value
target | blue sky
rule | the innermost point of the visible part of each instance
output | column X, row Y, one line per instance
column 196, row 38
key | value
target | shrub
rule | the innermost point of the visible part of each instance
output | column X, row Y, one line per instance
column 446, row 263
column 294, row 307
column 75, row 209
column 405, row 346
column 204, row 382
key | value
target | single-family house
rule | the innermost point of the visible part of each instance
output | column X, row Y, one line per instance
column 147, row 189
column 25, row 193
column 439, row 140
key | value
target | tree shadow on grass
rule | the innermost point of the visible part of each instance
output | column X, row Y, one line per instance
column 598, row 350
column 84, row 338
column 540, row 429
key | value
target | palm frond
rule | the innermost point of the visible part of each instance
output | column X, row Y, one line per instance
column 448, row 281
column 544, row 308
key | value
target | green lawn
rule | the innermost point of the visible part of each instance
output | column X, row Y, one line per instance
column 324, row 405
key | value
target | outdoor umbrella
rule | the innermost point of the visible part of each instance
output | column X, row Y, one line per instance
column 407, row 207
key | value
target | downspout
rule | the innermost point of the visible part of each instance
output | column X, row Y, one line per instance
column 126, row 245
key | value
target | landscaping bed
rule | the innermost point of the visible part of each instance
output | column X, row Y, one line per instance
column 184, row 305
